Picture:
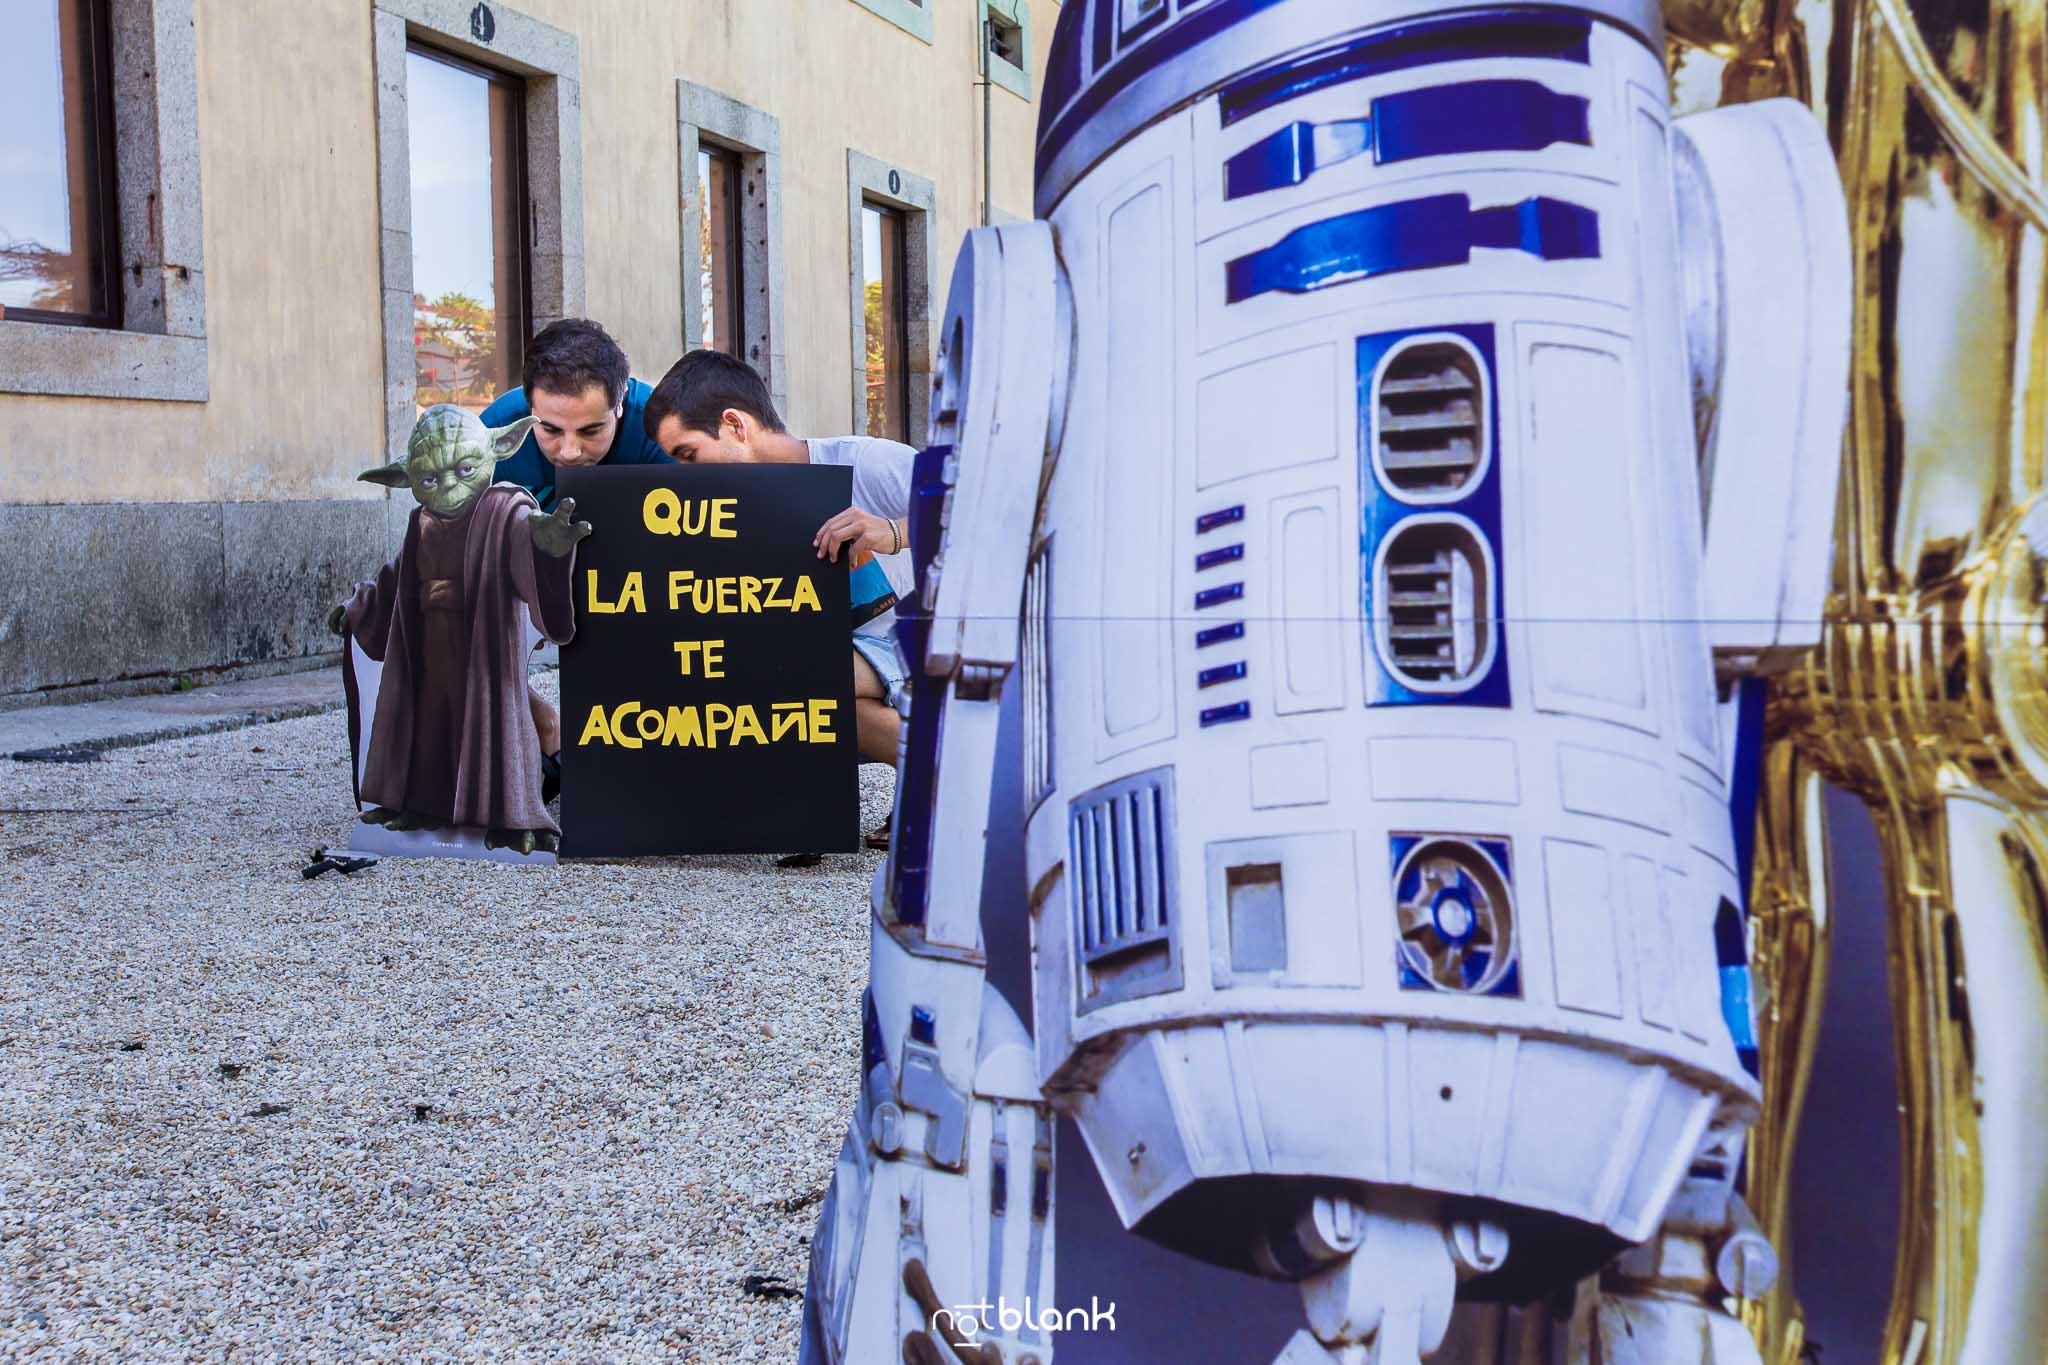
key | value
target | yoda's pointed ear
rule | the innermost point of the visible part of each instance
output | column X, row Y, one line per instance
column 505, row 440
column 391, row 475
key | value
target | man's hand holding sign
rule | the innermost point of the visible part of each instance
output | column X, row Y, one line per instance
column 706, row 702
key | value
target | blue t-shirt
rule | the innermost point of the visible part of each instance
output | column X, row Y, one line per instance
column 532, row 470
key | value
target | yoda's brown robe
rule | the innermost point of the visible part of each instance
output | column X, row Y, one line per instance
column 453, row 739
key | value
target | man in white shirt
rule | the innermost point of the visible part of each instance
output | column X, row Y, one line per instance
column 713, row 407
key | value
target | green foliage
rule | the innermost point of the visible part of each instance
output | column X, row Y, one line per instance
column 877, row 361
column 464, row 330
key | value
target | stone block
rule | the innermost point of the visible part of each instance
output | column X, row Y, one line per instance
column 286, row 564
column 40, row 357
column 108, row 590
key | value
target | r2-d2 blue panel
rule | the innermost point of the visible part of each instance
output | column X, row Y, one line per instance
column 1430, row 563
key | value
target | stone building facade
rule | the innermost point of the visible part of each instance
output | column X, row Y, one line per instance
column 180, row 469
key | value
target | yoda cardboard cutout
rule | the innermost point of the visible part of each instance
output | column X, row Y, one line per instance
column 453, row 740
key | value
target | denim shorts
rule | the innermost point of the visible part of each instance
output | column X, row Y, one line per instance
column 882, row 655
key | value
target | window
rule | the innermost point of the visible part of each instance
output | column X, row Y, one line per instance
column 58, row 243
column 888, row 387
column 730, row 155
column 718, row 235
column 912, row 16
column 1006, row 40
column 102, row 266
column 889, row 217
column 469, row 249
column 480, row 197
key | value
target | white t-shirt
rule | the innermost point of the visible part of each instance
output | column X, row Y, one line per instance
column 881, row 488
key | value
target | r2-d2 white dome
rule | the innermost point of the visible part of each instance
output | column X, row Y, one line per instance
column 1379, row 828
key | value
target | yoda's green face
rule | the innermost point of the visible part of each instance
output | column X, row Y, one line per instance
column 450, row 459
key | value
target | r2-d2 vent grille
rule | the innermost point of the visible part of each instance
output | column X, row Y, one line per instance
column 1431, row 420
column 1434, row 602
column 1120, row 862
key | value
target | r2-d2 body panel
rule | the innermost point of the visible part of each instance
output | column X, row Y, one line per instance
column 1378, row 824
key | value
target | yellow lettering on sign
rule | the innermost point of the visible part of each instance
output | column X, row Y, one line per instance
column 717, row 719
column 630, row 725
column 649, row 731
column 619, row 735
column 683, row 728
column 632, row 597
column 746, row 723
column 665, row 514
column 727, row 596
column 709, row 652
column 661, row 510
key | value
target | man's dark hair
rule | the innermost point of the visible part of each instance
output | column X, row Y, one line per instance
column 704, row 384
column 570, row 356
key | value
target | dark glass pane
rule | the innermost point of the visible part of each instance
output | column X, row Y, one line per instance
column 888, row 378
column 56, row 238
column 719, row 254
column 466, row 134
column 1005, row 40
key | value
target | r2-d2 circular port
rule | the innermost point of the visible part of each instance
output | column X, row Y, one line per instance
column 1456, row 917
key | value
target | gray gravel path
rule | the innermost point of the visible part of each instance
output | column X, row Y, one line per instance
column 430, row 1112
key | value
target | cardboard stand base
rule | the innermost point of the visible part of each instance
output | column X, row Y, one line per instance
column 445, row 841
column 361, row 677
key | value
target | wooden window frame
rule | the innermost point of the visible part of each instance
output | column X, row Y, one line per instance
column 106, row 226
column 521, row 329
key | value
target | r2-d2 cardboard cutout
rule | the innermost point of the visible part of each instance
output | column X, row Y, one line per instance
column 1337, row 433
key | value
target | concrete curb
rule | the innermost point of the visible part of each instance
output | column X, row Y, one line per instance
column 82, row 732
column 85, row 751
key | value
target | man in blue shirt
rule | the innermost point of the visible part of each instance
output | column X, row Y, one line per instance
column 587, row 411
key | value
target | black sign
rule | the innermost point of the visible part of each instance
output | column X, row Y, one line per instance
column 707, row 699
column 483, row 25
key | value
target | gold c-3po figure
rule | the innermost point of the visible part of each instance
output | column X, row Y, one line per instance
column 1928, row 697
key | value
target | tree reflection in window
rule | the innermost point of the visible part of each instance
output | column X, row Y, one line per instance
column 58, row 241
column 888, row 374
column 466, row 127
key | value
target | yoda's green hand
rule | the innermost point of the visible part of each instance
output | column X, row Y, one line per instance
column 554, row 534
column 337, row 620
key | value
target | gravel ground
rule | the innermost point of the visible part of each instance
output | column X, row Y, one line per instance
column 433, row 1111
